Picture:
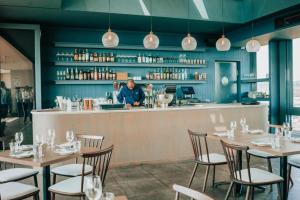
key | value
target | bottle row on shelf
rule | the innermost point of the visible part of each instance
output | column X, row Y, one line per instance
column 85, row 56
column 108, row 74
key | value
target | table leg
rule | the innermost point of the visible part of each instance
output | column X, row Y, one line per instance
column 46, row 182
column 284, row 175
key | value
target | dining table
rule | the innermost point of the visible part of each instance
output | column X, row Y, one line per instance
column 49, row 158
column 287, row 148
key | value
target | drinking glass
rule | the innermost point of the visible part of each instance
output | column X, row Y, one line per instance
column 93, row 187
column 243, row 124
column 39, row 139
column 19, row 139
column 70, row 136
column 108, row 196
column 51, row 138
column 12, row 147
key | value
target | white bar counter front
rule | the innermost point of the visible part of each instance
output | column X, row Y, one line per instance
column 142, row 135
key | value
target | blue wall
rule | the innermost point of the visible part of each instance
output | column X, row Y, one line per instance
column 51, row 35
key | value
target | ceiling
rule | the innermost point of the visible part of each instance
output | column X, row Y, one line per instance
column 11, row 58
column 168, row 15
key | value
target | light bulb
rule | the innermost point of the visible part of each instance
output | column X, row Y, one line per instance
column 189, row 43
column 253, row 45
column 151, row 41
column 110, row 39
column 223, row 44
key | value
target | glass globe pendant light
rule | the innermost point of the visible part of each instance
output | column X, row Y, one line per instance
column 252, row 45
column 110, row 39
column 223, row 43
column 151, row 41
column 189, row 43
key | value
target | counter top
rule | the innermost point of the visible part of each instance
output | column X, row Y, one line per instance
column 142, row 109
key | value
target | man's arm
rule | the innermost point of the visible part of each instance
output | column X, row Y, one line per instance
column 120, row 96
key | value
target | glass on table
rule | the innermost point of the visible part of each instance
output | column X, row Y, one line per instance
column 77, row 145
column 50, row 138
column 70, row 136
column 12, row 147
column 19, row 139
column 37, row 151
column 93, row 187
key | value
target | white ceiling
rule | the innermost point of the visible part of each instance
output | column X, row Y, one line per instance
column 11, row 58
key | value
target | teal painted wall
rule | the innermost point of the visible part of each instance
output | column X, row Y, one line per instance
column 51, row 35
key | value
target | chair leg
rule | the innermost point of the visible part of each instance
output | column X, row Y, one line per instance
column 248, row 193
column 214, row 176
column 35, row 181
column 252, row 193
column 290, row 180
column 193, row 174
column 54, row 179
column 279, row 191
column 206, row 177
column 270, row 170
column 52, row 196
column 229, row 190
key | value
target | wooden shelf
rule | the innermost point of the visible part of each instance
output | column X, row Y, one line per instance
column 115, row 64
column 109, row 82
column 122, row 47
column 255, row 80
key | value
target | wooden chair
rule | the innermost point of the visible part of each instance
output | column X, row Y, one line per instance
column 265, row 155
column 194, row 195
column 18, row 191
column 74, row 186
column 203, row 157
column 293, row 161
column 72, row 170
column 250, row 177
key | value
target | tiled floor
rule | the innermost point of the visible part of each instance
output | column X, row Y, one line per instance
column 154, row 182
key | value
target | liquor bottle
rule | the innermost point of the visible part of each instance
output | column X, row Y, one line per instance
column 75, row 56
column 185, row 74
column 80, row 75
column 82, row 56
column 143, row 58
column 89, row 75
column 175, row 75
column 63, row 75
column 99, row 74
column 150, row 58
column 76, row 74
column 158, row 74
column 92, row 75
column 103, row 57
column 108, row 57
column 139, row 60
column 96, row 74
column 106, row 74
column 79, row 56
column 71, row 74
column 182, row 74
column 87, row 55
column 112, row 57
column 96, row 59
column 114, row 75
column 100, row 57
column 103, row 74
column 58, row 75
column 91, row 57
column 67, row 74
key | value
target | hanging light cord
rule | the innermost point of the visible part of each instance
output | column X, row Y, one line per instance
column 151, row 15
column 252, row 19
column 188, row 15
column 223, row 29
column 109, row 14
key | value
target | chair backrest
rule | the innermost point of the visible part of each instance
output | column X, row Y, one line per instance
column 232, row 152
column 199, row 143
column 194, row 195
column 94, row 141
column 100, row 161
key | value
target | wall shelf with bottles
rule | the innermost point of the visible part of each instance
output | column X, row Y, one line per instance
column 120, row 47
column 139, row 65
column 109, row 82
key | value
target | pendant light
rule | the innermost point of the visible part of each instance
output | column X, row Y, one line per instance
column 151, row 41
column 189, row 43
column 252, row 45
column 110, row 39
column 223, row 44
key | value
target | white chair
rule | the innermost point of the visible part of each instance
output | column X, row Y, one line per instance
column 203, row 157
column 293, row 161
column 194, row 195
column 18, row 191
column 75, row 169
column 17, row 174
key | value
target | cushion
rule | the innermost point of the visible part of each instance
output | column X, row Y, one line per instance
column 294, row 160
column 12, row 190
column 259, row 153
column 72, row 170
column 259, row 176
column 14, row 174
column 68, row 186
column 213, row 158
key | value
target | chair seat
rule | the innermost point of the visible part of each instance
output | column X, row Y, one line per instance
column 70, row 186
column 259, row 176
column 14, row 174
column 214, row 158
column 72, row 170
column 13, row 190
column 259, row 153
column 294, row 160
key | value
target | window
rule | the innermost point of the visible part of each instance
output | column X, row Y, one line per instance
column 262, row 69
column 296, row 72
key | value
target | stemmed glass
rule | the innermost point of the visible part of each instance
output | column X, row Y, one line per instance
column 243, row 124
column 51, row 138
column 233, row 126
column 70, row 136
column 93, row 187
column 19, row 139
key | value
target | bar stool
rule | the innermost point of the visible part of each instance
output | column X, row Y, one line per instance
column 203, row 157
column 18, row 191
column 189, row 193
column 74, row 186
column 250, row 177
column 72, row 170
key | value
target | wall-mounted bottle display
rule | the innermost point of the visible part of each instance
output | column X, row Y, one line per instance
column 84, row 55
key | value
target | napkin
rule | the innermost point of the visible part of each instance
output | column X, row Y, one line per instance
column 221, row 134
column 261, row 143
column 256, row 131
column 65, row 151
column 24, row 154
column 295, row 139
column 26, row 147
column 65, row 145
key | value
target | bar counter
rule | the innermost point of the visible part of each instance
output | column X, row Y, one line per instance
column 143, row 135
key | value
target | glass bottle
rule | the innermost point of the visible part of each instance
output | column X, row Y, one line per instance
column 103, row 57
column 76, row 74
column 95, row 74
column 99, row 74
column 87, row 55
column 100, row 57
column 96, row 59
column 112, row 57
column 67, row 74
column 82, row 56
column 106, row 74
column 139, row 60
column 75, row 55
column 91, row 57
column 80, row 75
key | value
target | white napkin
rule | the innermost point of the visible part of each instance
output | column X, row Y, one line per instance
column 65, row 151
column 295, row 140
column 261, row 143
column 24, row 154
column 65, row 145
column 26, row 147
column 256, row 131
column 221, row 134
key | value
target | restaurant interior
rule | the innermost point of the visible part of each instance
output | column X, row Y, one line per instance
column 149, row 99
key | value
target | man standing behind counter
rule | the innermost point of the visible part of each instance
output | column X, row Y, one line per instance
column 131, row 94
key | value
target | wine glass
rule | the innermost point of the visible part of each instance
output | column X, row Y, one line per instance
column 70, row 136
column 51, row 137
column 19, row 138
column 93, row 187
column 243, row 124
column 233, row 125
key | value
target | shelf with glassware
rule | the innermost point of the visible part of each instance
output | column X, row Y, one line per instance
column 253, row 81
column 110, row 82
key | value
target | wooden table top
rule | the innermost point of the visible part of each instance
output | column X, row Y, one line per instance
column 49, row 158
column 287, row 147
column 121, row 198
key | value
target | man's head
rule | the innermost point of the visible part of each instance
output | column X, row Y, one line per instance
column 130, row 84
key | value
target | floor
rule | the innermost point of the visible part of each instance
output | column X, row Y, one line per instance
column 154, row 182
